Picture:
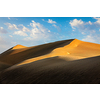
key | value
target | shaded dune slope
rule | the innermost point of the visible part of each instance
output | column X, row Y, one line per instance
column 73, row 51
column 14, row 56
column 68, row 61
column 54, row 71
column 4, row 66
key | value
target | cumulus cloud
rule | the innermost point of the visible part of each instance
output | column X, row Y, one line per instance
column 98, row 20
column 83, row 33
column 2, row 30
column 42, row 19
column 92, row 38
column 54, row 24
column 85, row 26
column 58, row 28
column 11, row 26
column 48, row 30
column 21, row 33
column 20, row 27
column 76, row 23
column 88, row 29
column 9, row 18
column 38, row 28
column 23, row 28
column 51, row 21
column 38, row 32
column 90, row 22
column 10, row 35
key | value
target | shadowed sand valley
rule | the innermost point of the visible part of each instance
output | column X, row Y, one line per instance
column 62, row 62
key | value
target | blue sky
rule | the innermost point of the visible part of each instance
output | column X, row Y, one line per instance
column 30, row 31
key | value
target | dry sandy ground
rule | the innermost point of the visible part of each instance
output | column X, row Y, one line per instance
column 62, row 62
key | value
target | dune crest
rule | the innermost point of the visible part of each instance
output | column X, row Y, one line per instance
column 14, row 56
column 69, row 52
column 74, row 49
column 18, row 46
column 67, row 61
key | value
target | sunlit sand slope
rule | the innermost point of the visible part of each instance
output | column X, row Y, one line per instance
column 18, row 47
column 68, row 61
column 73, row 51
column 14, row 56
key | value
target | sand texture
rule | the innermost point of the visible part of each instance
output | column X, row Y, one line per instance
column 62, row 62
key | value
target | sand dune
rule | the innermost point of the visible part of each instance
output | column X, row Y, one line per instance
column 18, row 47
column 4, row 66
column 68, row 61
column 14, row 56
column 75, row 50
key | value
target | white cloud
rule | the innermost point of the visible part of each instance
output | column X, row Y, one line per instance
column 85, row 26
column 58, row 28
column 51, row 21
column 23, row 28
column 54, row 24
column 76, row 23
column 2, row 30
column 9, row 18
column 34, row 24
column 20, row 27
column 90, row 22
column 93, row 31
column 89, row 38
column 42, row 19
column 38, row 32
column 10, row 35
column 83, row 33
column 21, row 33
column 98, row 20
column 48, row 30
column 37, row 27
column 11, row 26
column 92, row 38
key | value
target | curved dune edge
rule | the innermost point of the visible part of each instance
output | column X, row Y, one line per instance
column 75, row 50
column 54, row 71
column 14, row 56
column 61, row 51
column 69, row 61
column 4, row 66
column 18, row 46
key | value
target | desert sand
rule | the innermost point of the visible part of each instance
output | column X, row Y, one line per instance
column 62, row 62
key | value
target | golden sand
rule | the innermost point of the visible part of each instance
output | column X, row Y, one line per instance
column 68, row 61
column 75, row 50
column 18, row 47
